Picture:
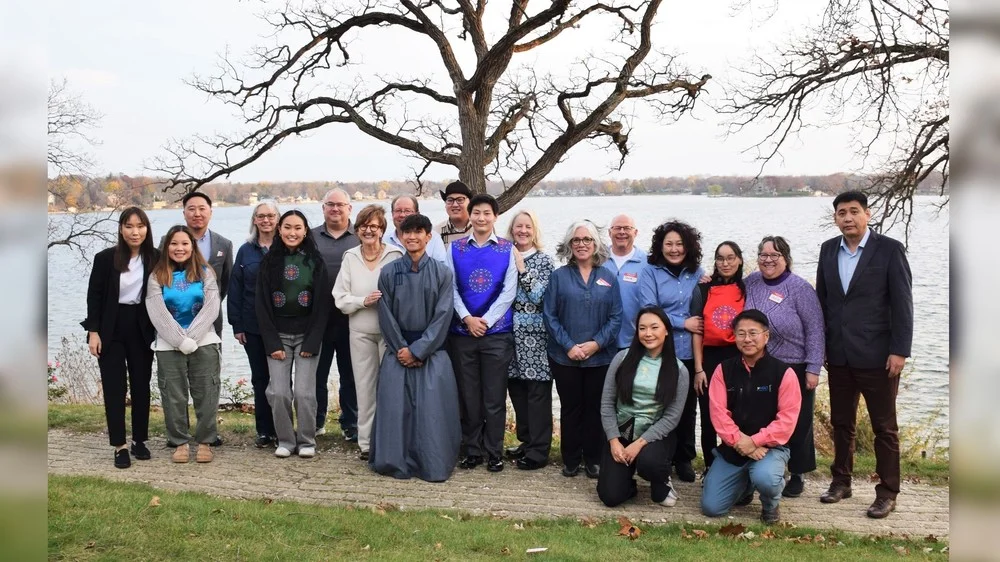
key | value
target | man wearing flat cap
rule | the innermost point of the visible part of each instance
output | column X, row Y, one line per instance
column 457, row 226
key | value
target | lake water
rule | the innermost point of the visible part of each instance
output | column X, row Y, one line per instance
column 806, row 222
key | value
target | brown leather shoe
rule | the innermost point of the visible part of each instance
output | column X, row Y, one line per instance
column 204, row 453
column 181, row 454
column 835, row 494
column 881, row 508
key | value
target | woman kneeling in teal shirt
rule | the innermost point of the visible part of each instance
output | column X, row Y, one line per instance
column 644, row 394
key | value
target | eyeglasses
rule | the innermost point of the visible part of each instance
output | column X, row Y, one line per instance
column 371, row 227
column 267, row 216
column 331, row 205
column 456, row 200
column 748, row 334
column 622, row 229
column 769, row 257
column 587, row 241
column 726, row 259
column 403, row 212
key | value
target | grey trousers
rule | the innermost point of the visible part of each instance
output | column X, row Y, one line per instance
column 481, row 371
column 177, row 375
column 366, row 355
column 280, row 396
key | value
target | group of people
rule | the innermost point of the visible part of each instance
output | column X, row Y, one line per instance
column 433, row 327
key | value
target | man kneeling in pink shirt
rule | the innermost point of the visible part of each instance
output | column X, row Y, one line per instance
column 754, row 401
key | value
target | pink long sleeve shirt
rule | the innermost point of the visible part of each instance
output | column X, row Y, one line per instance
column 775, row 433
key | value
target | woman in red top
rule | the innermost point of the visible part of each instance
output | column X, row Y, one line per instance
column 716, row 303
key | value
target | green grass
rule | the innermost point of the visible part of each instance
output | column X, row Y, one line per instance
column 91, row 518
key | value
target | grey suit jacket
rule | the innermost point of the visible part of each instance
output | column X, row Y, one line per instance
column 221, row 261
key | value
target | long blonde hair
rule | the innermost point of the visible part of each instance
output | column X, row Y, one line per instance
column 536, row 241
column 195, row 266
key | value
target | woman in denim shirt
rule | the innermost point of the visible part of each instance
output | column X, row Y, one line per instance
column 582, row 310
column 673, row 272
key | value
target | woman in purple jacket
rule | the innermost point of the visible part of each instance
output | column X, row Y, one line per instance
column 792, row 308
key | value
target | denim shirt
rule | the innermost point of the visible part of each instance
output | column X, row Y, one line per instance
column 628, row 285
column 242, row 287
column 575, row 312
column 659, row 287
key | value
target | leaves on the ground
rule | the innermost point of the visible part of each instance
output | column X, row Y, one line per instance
column 628, row 529
column 448, row 517
column 767, row 534
column 518, row 526
column 747, row 536
column 902, row 550
column 366, row 547
column 268, row 500
column 874, row 477
column 930, row 538
column 154, row 501
column 505, row 551
column 90, row 544
column 788, row 524
column 589, row 522
column 732, row 529
column 819, row 538
column 699, row 533
column 437, row 546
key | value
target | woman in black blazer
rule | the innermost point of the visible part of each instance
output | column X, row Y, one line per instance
column 119, row 332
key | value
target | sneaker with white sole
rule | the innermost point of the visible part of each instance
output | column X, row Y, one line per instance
column 671, row 499
column 307, row 452
column 320, row 431
column 282, row 453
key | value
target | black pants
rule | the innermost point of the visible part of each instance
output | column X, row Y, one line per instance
column 336, row 340
column 685, row 452
column 259, row 378
column 712, row 356
column 801, row 447
column 580, row 430
column 481, row 373
column 126, row 362
column 532, row 402
column 615, row 485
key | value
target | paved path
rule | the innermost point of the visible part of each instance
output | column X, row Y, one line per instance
column 336, row 477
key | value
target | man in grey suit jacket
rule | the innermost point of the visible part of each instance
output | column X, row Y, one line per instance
column 864, row 286
column 215, row 248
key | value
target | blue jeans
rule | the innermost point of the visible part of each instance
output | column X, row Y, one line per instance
column 725, row 483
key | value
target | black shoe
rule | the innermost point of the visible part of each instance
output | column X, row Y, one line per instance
column 525, row 463
column 216, row 443
column 881, row 508
column 592, row 470
column 685, row 472
column 471, row 461
column 570, row 472
column 770, row 517
column 262, row 441
column 140, row 451
column 351, row 435
column 363, row 456
column 794, row 487
column 494, row 464
column 515, row 452
column 835, row 494
column 122, row 460
column 745, row 500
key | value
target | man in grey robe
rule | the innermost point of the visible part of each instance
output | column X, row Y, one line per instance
column 416, row 430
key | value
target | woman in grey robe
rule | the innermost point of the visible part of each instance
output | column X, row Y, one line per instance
column 416, row 430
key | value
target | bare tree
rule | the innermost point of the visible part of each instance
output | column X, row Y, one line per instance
column 490, row 115
column 882, row 65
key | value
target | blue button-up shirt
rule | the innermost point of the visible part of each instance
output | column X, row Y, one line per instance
column 628, row 285
column 205, row 245
column 659, row 287
column 847, row 262
column 577, row 312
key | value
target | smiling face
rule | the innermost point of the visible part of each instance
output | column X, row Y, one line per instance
column 652, row 332
column 751, row 338
column 134, row 232
column 265, row 219
column 623, row 233
column 483, row 218
column 770, row 262
column 727, row 263
column 292, row 231
column 403, row 208
column 673, row 248
column 180, row 249
column 415, row 241
column 523, row 232
column 370, row 233
column 852, row 219
column 197, row 214
column 457, row 207
column 583, row 245
column 336, row 211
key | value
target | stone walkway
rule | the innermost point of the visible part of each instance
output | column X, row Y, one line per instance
column 337, row 477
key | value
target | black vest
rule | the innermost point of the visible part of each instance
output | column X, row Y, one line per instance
column 751, row 398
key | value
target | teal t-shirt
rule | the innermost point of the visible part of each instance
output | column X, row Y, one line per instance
column 644, row 408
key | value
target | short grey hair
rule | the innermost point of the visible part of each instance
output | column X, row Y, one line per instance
column 270, row 204
column 564, row 251
column 337, row 190
column 780, row 245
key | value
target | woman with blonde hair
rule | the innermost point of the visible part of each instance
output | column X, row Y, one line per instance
column 356, row 294
column 529, row 377
column 183, row 302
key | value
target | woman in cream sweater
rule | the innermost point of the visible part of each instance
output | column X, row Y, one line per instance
column 356, row 295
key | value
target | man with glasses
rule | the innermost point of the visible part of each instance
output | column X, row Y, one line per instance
column 334, row 237
column 754, row 401
column 626, row 262
column 456, row 200
column 403, row 206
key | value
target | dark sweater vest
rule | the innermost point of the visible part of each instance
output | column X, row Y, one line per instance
column 752, row 397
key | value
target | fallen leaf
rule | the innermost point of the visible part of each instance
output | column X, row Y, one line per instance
column 699, row 533
column 684, row 533
column 873, row 477
column 788, row 525
column 767, row 534
column 819, row 538
column 377, row 510
column 944, row 550
column 366, row 547
column 90, row 544
column 928, row 550
column 518, row 526
column 505, row 551
column 155, row 501
column 747, row 536
column 930, row 538
column 448, row 517
column 901, row 550
column 437, row 546
column 536, row 550
column 387, row 506
column 756, row 544
column 628, row 529
column 268, row 500
column 732, row 529
column 589, row 522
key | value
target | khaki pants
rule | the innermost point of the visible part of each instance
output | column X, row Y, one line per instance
column 177, row 375
column 366, row 356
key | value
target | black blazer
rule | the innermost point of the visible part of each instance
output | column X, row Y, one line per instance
column 102, row 297
column 875, row 317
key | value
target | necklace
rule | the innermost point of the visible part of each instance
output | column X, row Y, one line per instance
column 377, row 254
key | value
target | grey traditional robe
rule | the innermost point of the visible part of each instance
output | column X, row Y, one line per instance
column 416, row 430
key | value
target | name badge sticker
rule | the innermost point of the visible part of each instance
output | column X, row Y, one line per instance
column 631, row 277
column 776, row 297
column 602, row 282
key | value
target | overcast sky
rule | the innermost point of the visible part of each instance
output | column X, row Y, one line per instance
column 130, row 61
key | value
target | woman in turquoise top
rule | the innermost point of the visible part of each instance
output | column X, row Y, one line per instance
column 644, row 394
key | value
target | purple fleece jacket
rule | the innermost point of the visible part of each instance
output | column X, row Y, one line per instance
column 796, row 321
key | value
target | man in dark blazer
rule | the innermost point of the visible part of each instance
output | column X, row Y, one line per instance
column 865, row 289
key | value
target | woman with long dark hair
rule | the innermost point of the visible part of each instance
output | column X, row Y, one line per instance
column 119, row 332
column 644, row 394
column 674, row 271
column 716, row 303
column 183, row 301
column 293, row 299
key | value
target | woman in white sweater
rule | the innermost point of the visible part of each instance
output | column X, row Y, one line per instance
column 182, row 298
column 356, row 295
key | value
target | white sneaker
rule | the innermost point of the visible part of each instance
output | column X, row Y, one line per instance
column 671, row 499
column 320, row 431
column 282, row 453
column 307, row 452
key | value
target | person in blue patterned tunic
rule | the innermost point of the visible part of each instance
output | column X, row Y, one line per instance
column 529, row 381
